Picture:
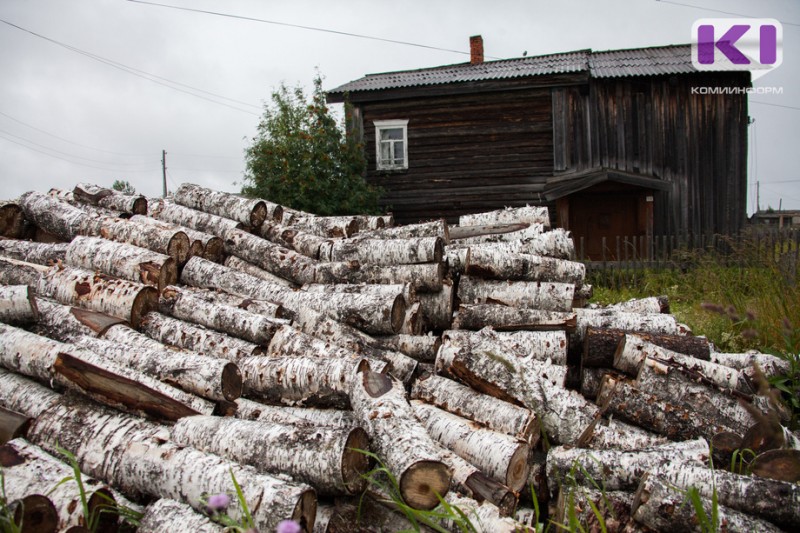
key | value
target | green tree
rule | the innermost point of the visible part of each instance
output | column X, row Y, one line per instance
column 123, row 186
column 302, row 159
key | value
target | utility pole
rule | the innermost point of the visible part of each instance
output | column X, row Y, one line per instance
column 758, row 196
column 164, row 170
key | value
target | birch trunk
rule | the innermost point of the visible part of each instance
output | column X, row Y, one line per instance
column 123, row 261
column 171, row 242
column 426, row 277
column 386, row 251
column 135, row 204
column 328, row 227
column 259, row 307
column 12, row 425
column 495, row 414
column 555, row 244
column 295, row 416
column 326, row 458
column 437, row 307
column 617, row 435
column 769, row 364
column 373, row 314
column 500, row 456
column 138, row 458
column 504, row 318
column 273, row 258
column 599, row 345
column 465, row 233
column 166, row 514
column 33, row 514
column 420, row 347
column 662, row 507
column 403, row 289
column 434, row 228
column 64, row 323
column 54, row 216
column 119, row 298
column 28, row 469
column 173, row 213
column 657, row 324
column 18, row 393
column 184, row 305
column 18, row 304
column 34, row 252
column 484, row 517
column 301, row 242
column 205, row 274
column 298, row 380
column 469, row 480
column 542, row 295
column 590, row 380
column 245, row 210
column 197, row 338
column 363, row 515
column 246, row 267
column 208, row 377
column 632, row 352
column 676, row 420
column 615, row 469
column 580, row 504
column 649, row 305
column 12, row 221
column 528, row 215
column 487, row 263
column 400, row 440
column 200, row 243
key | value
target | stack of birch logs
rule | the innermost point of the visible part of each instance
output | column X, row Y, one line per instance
column 170, row 345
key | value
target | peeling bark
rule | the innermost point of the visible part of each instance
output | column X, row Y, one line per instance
column 197, row 338
column 245, row 210
column 599, row 345
column 400, row 440
column 386, row 251
column 18, row 304
column 420, row 347
column 135, row 204
column 501, row 456
column 325, row 458
column 434, row 228
column 489, row 263
column 191, row 218
column 64, row 323
column 246, row 267
column 33, row 252
column 295, row 416
column 123, row 261
column 123, row 299
column 504, row 318
column 495, row 414
column 184, row 305
column 166, row 514
column 437, row 307
column 543, row 295
column 509, row 215
column 24, row 395
column 54, row 216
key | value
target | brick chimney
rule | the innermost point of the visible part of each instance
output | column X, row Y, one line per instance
column 476, row 49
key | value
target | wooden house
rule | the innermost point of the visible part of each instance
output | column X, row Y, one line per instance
column 625, row 142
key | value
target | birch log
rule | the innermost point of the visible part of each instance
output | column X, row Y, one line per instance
column 434, row 228
column 18, row 393
column 437, row 307
column 658, row 324
column 543, row 295
column 240, row 264
column 299, row 380
column 495, row 414
column 487, row 263
column 555, row 244
column 528, row 214
column 386, row 251
column 185, row 305
column 202, row 273
column 421, row 347
column 171, row 212
column 34, row 513
column 662, row 507
column 200, row 243
column 12, row 425
column 54, row 216
column 65, row 323
column 599, row 345
column 579, row 504
column 166, row 514
column 400, row 440
column 533, row 345
column 18, row 304
column 329, row 459
column 13, row 272
column 27, row 469
column 616, row 469
column 138, row 458
column 615, row 434
column 474, row 233
column 500, row 456
column 96, row 292
column 769, row 364
column 171, row 242
column 650, row 304
column 295, row 239
column 208, row 377
column 199, row 339
column 331, row 227
column 12, row 221
column 386, row 290
column 427, row 277
column 248, row 211
column 123, row 261
column 504, row 318
column 33, row 252
column 135, row 204
column 485, row 516
column 291, row 416
column 256, row 306
column 275, row 259
column 468, row 479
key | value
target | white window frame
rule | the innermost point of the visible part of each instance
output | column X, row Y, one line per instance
column 385, row 125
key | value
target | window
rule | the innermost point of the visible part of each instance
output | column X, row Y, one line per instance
column 391, row 144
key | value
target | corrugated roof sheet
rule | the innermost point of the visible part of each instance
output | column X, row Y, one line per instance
column 673, row 59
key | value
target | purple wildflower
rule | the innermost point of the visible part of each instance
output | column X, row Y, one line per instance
column 288, row 526
column 218, row 502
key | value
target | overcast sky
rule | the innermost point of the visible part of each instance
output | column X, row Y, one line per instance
column 94, row 90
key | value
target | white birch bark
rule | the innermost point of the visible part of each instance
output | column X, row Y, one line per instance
column 248, row 211
column 171, row 242
column 468, row 479
column 528, row 214
column 501, row 456
column 504, row 318
column 200, row 243
column 24, row 395
column 122, row 260
column 420, row 347
column 386, row 251
column 34, row 471
column 371, row 313
column 456, row 259
column 166, row 514
column 661, row 324
column 437, row 307
column 197, row 338
column 184, row 305
column 544, row 295
column 208, row 377
column 533, row 345
column 380, row 404
column 301, row 242
column 485, row 517
column 259, row 307
column 556, row 244
column 119, row 298
column 495, row 414
column 769, row 364
column 425, row 277
column 613, row 509
column 434, row 228
column 275, row 259
column 169, row 211
column 33, row 252
column 202, row 273
column 135, row 204
column 648, row 305
column 299, row 380
column 484, row 233
column 329, row 227
column 614, row 434
column 326, row 458
column 617, row 469
column 18, row 304
column 389, row 290
column 493, row 264
column 413, row 321
column 240, row 264
column 54, row 216
column 64, row 323
column 295, row 416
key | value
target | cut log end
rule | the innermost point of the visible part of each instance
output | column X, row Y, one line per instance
column 517, row 473
column 178, row 247
column 305, row 512
column 145, row 301
column 783, row 465
column 258, row 215
column 35, row 514
column 423, row 483
column 140, row 206
column 103, row 499
column 398, row 313
column 232, row 382
column 167, row 275
column 355, row 463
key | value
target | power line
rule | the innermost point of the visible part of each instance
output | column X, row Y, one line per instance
column 302, row 27
column 775, row 105
column 142, row 74
column 719, row 11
